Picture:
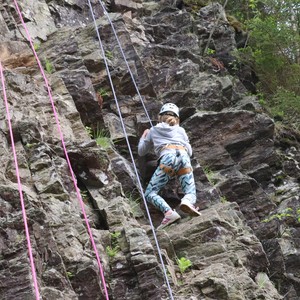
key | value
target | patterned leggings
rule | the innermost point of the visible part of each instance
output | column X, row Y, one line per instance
column 176, row 160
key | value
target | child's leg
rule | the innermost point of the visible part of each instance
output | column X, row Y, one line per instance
column 187, row 182
column 158, row 180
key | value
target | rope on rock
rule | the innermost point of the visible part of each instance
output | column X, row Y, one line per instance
column 131, row 154
column 65, row 151
column 34, row 277
column 126, row 62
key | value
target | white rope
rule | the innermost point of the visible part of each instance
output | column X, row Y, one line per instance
column 131, row 154
column 126, row 62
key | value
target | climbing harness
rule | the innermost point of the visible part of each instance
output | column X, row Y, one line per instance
column 65, row 151
column 169, row 170
column 34, row 277
column 172, row 146
column 129, row 148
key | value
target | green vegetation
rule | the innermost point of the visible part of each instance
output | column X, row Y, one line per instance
column 183, row 264
column 109, row 54
column 223, row 199
column 209, row 175
column 210, row 51
column 102, row 92
column 195, row 5
column 112, row 251
column 273, row 50
column 84, row 196
column 285, row 218
column 279, row 216
column 36, row 46
column 261, row 279
column 134, row 201
column 89, row 130
column 100, row 135
column 102, row 138
column 48, row 66
column 114, row 247
column 70, row 275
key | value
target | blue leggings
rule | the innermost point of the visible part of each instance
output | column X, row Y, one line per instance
column 176, row 160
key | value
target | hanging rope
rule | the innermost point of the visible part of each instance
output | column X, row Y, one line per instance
column 131, row 154
column 34, row 277
column 126, row 62
column 65, row 151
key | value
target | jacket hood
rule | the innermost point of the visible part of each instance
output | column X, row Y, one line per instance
column 165, row 129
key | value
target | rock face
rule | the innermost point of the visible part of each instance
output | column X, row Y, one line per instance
column 246, row 243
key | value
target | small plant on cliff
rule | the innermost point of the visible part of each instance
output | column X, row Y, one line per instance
column 70, row 275
column 284, row 218
column 114, row 248
column 112, row 251
column 134, row 201
column 209, row 175
column 261, row 279
column 223, row 199
column 102, row 138
column 109, row 54
column 102, row 92
column 48, row 66
column 210, row 51
column 183, row 264
column 100, row 135
column 37, row 46
column 280, row 216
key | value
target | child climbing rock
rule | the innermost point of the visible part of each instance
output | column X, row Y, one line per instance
column 171, row 144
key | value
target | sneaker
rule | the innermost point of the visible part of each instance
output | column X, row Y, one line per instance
column 189, row 208
column 169, row 219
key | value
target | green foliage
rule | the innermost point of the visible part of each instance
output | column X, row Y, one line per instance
column 112, row 251
column 285, row 106
column 70, row 275
column 36, row 46
column 261, row 279
column 30, row 145
column 89, row 131
column 209, row 175
column 134, row 201
column 183, row 264
column 102, row 92
column 102, row 138
column 115, row 235
column 273, row 53
column 109, row 54
column 195, row 5
column 100, row 135
column 84, row 196
column 48, row 66
column 114, row 248
column 285, row 218
column 280, row 216
column 223, row 199
column 210, row 51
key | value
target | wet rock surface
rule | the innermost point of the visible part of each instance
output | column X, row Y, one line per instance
column 246, row 243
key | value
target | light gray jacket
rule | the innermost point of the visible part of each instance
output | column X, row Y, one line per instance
column 161, row 135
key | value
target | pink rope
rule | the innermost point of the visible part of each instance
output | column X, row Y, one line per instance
column 37, row 295
column 65, row 151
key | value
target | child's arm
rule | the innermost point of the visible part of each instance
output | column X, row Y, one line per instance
column 144, row 143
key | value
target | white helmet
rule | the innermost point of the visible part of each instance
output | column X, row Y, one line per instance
column 169, row 107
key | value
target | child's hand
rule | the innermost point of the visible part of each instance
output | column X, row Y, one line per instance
column 145, row 133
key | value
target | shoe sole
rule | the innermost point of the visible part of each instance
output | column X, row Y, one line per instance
column 189, row 210
column 166, row 225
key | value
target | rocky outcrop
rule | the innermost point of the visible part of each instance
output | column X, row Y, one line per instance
column 245, row 244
